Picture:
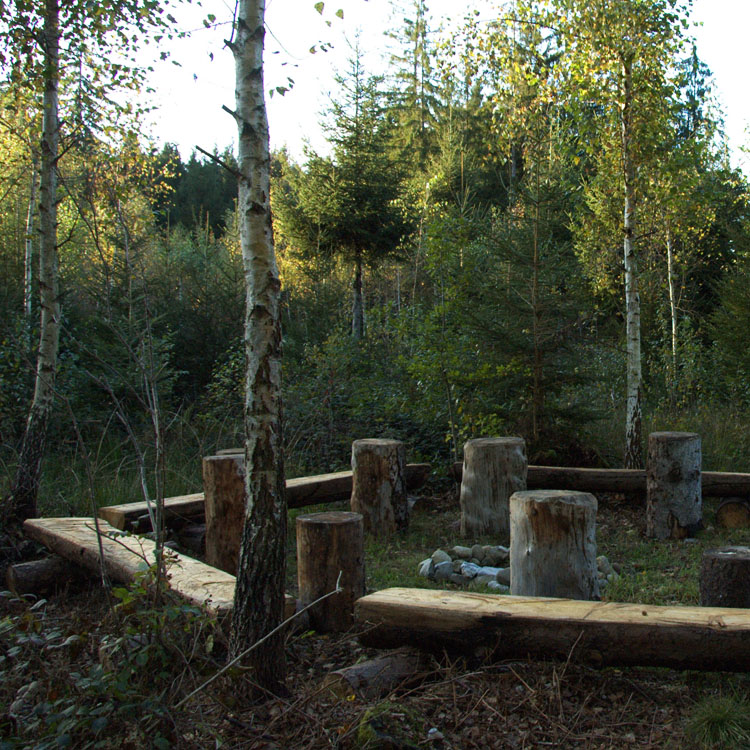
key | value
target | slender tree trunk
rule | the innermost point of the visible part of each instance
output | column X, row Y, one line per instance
column 633, row 427
column 259, row 595
column 23, row 498
column 28, row 276
column 672, row 299
column 358, row 307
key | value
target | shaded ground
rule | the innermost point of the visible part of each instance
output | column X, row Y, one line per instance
column 516, row 704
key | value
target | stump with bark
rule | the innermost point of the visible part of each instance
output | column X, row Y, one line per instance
column 378, row 485
column 43, row 577
column 553, row 544
column 673, row 485
column 494, row 468
column 733, row 513
column 225, row 497
column 725, row 577
column 330, row 550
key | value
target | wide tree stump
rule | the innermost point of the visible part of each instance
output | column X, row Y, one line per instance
column 330, row 549
column 494, row 468
column 733, row 513
column 378, row 485
column 225, row 499
column 553, row 544
column 725, row 577
column 673, row 485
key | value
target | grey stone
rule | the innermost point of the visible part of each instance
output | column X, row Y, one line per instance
column 603, row 582
column 483, row 579
column 426, row 568
column 477, row 551
column 469, row 570
column 457, row 565
column 603, row 564
column 496, row 556
column 475, row 561
column 486, row 570
column 464, row 553
column 443, row 571
column 503, row 576
column 458, row 579
column 613, row 577
column 440, row 556
column 499, row 587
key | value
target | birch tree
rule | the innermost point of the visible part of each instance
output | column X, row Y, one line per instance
column 619, row 55
column 44, row 43
column 259, row 594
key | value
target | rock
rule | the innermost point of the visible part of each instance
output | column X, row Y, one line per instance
column 440, row 556
column 484, row 580
column 603, row 582
column 469, row 570
column 602, row 563
column 496, row 556
column 426, row 568
column 477, row 551
column 444, row 570
column 434, row 735
column 503, row 576
column 486, row 570
column 464, row 553
column 458, row 579
column 612, row 577
column 457, row 565
column 475, row 561
column 499, row 587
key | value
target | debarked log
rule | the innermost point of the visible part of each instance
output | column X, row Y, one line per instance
column 493, row 628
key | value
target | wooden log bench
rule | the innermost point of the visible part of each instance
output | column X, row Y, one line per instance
column 125, row 557
column 598, row 633
column 300, row 492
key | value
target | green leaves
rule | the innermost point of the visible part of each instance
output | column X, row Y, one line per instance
column 319, row 7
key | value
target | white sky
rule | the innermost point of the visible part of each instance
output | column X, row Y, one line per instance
column 190, row 97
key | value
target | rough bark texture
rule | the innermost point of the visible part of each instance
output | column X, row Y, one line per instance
column 553, row 544
column 25, row 487
column 42, row 577
column 493, row 469
column 378, row 486
column 725, row 577
column 259, row 598
column 598, row 633
column 330, row 548
column 633, row 426
column 733, row 513
column 673, row 485
column 372, row 679
column 225, row 501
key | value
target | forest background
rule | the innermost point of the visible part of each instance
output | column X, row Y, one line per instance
column 453, row 263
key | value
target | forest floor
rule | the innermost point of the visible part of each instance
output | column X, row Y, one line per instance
column 119, row 681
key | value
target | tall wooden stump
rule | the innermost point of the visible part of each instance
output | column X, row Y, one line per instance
column 224, row 490
column 330, row 545
column 494, row 468
column 553, row 544
column 378, row 486
column 673, row 485
column 725, row 577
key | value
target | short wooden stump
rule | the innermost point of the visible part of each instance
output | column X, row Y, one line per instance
column 553, row 544
column 331, row 549
column 725, row 577
column 494, row 468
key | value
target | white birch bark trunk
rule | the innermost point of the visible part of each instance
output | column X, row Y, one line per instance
column 28, row 259
column 672, row 299
column 633, row 427
column 259, row 597
column 23, row 496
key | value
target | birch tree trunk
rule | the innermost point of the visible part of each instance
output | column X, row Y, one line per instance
column 259, row 594
column 633, row 427
column 23, row 494
column 28, row 258
column 672, row 300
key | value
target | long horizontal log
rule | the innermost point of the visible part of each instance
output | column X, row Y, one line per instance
column 598, row 633
column 713, row 483
column 76, row 540
column 300, row 492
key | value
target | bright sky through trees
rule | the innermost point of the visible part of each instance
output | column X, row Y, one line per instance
column 294, row 26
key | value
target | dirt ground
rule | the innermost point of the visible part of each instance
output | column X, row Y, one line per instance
column 452, row 704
